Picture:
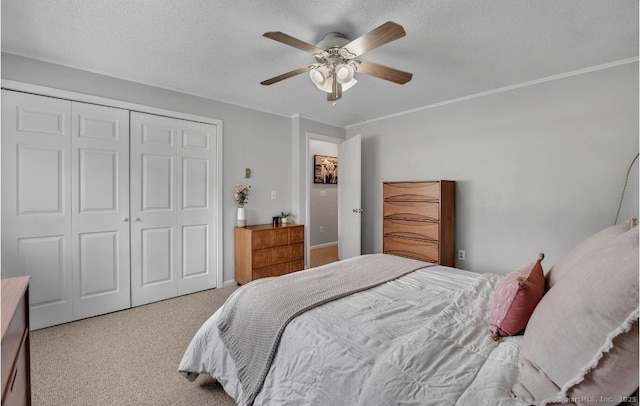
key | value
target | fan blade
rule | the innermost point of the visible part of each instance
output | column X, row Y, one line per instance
column 336, row 91
column 294, row 42
column 384, row 72
column 384, row 34
column 287, row 75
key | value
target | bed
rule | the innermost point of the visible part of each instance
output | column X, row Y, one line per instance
column 425, row 337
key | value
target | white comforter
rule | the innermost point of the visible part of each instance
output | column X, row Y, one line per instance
column 422, row 339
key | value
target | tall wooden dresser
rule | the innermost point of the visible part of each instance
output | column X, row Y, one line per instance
column 265, row 250
column 16, row 355
column 419, row 220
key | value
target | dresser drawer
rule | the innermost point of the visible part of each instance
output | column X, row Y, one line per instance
column 261, row 258
column 261, row 239
column 12, row 340
column 16, row 390
column 265, row 272
column 297, row 265
column 269, row 271
column 296, row 235
column 412, row 191
column 296, row 252
column 280, row 236
column 411, row 229
column 422, row 250
column 411, row 210
column 279, row 254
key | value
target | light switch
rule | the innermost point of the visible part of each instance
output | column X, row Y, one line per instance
column 323, row 193
column 247, row 173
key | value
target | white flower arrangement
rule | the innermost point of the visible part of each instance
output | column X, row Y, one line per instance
column 242, row 194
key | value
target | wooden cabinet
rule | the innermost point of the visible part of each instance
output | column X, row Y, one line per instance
column 16, row 357
column 419, row 220
column 265, row 250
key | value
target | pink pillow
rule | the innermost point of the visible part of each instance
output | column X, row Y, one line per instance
column 515, row 298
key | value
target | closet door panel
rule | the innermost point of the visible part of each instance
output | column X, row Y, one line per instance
column 47, row 261
column 157, row 252
column 40, row 181
column 154, row 235
column 195, row 214
column 195, row 253
column 98, row 266
column 100, row 221
column 36, row 184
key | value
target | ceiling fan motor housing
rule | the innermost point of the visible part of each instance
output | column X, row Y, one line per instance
column 333, row 40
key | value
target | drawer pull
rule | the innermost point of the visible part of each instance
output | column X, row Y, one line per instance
column 410, row 217
column 411, row 198
column 13, row 381
column 411, row 236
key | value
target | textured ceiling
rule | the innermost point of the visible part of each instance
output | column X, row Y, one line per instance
column 215, row 48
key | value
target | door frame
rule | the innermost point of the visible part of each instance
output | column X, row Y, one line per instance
column 86, row 98
column 307, row 183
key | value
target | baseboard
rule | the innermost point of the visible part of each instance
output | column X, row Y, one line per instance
column 229, row 283
column 328, row 244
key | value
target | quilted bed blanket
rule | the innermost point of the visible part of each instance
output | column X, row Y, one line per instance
column 420, row 339
column 263, row 308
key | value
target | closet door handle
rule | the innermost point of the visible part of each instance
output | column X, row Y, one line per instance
column 137, row 219
column 125, row 219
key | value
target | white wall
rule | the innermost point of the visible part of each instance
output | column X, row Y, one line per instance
column 539, row 167
column 252, row 139
column 323, row 200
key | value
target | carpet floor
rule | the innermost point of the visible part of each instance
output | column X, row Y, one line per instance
column 128, row 357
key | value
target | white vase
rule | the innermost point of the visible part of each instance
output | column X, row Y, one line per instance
column 284, row 220
column 241, row 220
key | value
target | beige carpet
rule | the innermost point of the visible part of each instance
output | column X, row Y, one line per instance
column 129, row 357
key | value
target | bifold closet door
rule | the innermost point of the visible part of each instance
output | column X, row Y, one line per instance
column 100, row 206
column 36, row 202
column 65, row 205
column 172, row 197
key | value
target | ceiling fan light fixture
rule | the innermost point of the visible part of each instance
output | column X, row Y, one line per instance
column 349, row 85
column 344, row 73
column 327, row 86
column 320, row 76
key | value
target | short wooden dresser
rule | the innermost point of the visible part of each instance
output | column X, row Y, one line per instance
column 266, row 250
column 419, row 220
column 16, row 356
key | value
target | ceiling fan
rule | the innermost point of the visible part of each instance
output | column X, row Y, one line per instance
column 336, row 62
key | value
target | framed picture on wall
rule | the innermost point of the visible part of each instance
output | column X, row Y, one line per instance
column 325, row 169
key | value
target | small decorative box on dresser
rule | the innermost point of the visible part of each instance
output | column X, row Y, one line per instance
column 16, row 356
column 419, row 220
column 266, row 250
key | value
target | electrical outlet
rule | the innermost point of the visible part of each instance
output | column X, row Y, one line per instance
column 321, row 229
column 461, row 255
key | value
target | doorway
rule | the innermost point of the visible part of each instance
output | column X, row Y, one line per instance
column 323, row 205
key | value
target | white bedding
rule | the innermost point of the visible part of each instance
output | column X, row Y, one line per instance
column 422, row 339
